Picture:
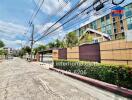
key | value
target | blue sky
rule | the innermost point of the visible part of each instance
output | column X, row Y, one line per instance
column 15, row 15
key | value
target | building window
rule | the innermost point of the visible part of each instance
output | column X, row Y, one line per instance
column 93, row 25
column 113, row 19
column 109, row 29
column 115, row 30
column 102, row 22
column 107, row 19
column 103, row 29
column 115, row 25
column 129, row 23
column 128, row 13
column 128, row 10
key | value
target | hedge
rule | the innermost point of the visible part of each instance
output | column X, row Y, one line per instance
column 119, row 75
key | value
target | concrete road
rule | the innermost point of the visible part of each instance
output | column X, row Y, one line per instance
column 21, row 80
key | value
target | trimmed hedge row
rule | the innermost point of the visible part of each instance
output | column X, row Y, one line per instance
column 119, row 75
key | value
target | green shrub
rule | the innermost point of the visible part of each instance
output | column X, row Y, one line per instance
column 119, row 75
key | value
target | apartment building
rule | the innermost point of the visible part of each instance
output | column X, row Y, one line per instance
column 115, row 27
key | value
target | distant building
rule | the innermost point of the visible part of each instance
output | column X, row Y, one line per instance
column 8, row 50
column 115, row 27
column 9, row 53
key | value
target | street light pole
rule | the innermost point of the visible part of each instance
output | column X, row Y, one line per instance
column 32, row 42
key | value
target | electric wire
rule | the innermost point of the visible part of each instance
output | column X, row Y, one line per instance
column 69, row 20
column 64, row 16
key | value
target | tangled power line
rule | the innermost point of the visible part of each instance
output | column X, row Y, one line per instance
column 52, row 29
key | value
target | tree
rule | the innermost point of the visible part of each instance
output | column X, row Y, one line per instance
column 39, row 48
column 56, row 44
column 21, row 53
column 51, row 45
column 1, row 51
column 59, row 44
column 71, row 39
column 27, row 49
column 24, row 50
column 35, row 51
column 1, row 44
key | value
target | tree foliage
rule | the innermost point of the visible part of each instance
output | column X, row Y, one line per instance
column 27, row 49
column 1, row 51
column 39, row 48
column 56, row 44
column 71, row 39
column 51, row 45
column 1, row 44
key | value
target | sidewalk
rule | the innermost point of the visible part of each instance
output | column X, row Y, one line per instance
column 44, row 65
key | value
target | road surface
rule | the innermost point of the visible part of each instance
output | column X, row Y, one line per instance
column 21, row 80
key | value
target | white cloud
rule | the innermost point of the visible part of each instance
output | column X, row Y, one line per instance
column 50, row 7
column 9, row 33
column 86, row 4
column 42, row 28
column 13, row 44
column 39, row 43
column 10, row 28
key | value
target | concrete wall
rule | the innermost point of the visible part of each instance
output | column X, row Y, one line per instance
column 73, row 53
column 116, row 52
column 111, row 52
column 55, row 54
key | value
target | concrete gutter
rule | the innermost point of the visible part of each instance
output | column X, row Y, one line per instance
column 106, row 86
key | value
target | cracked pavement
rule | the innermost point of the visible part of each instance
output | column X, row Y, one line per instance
column 21, row 80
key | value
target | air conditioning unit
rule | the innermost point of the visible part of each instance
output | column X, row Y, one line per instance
column 97, row 5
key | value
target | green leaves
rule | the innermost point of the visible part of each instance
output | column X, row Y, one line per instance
column 71, row 39
column 120, row 75
column 56, row 44
column 1, row 44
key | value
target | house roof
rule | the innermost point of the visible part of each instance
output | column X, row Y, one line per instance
column 97, row 32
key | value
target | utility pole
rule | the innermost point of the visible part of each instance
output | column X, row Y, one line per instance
column 32, row 42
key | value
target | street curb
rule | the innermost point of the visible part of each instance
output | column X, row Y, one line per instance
column 106, row 86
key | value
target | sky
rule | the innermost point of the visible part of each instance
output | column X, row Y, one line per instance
column 15, row 16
